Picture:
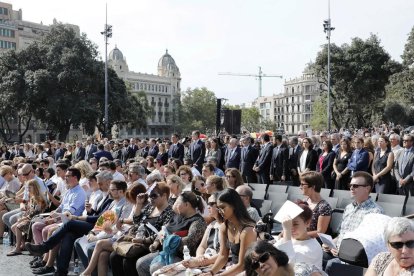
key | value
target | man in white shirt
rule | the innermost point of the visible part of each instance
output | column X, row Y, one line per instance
column 115, row 174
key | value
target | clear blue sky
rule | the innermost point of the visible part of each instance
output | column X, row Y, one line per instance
column 207, row 37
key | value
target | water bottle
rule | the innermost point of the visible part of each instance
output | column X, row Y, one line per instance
column 186, row 253
column 6, row 239
column 141, row 231
column 76, row 268
column 188, row 272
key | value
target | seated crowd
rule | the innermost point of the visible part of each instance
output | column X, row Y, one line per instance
column 171, row 208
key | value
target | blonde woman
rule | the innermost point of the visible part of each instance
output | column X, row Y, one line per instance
column 85, row 169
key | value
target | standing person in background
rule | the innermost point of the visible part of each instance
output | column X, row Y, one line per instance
column 340, row 164
column 162, row 154
column 294, row 153
column 215, row 150
column 370, row 148
column 308, row 157
column 176, row 150
column 382, row 166
column 249, row 156
column 325, row 164
column 197, row 150
column 153, row 148
column 90, row 149
column 335, row 140
column 360, row 158
column 79, row 152
column 262, row 166
column 279, row 164
column 233, row 152
column 405, row 167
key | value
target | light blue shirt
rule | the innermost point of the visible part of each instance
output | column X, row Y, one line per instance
column 73, row 201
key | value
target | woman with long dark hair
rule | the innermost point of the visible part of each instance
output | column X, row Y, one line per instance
column 382, row 166
column 237, row 232
column 187, row 224
column 342, row 174
column 325, row 164
column 308, row 157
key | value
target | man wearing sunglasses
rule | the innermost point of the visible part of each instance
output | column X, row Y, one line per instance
column 28, row 173
column 360, row 188
column 73, row 229
column 404, row 167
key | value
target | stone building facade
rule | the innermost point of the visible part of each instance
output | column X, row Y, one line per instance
column 292, row 109
column 162, row 91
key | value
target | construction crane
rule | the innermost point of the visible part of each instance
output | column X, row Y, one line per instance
column 259, row 76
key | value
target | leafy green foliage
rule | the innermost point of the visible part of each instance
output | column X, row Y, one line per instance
column 198, row 109
column 60, row 82
column 359, row 74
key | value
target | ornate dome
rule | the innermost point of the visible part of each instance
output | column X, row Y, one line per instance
column 167, row 63
column 116, row 54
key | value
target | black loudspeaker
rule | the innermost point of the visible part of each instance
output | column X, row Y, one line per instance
column 232, row 121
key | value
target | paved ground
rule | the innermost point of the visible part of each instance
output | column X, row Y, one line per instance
column 16, row 265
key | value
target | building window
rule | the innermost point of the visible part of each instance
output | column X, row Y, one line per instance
column 307, row 98
column 307, row 118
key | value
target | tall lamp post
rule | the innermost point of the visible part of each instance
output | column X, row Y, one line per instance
column 327, row 29
column 107, row 33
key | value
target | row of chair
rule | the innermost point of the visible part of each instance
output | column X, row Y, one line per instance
column 393, row 205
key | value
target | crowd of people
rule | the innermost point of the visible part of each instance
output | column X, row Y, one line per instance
column 151, row 207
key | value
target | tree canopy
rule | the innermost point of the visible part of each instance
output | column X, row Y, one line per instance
column 60, row 82
column 359, row 74
column 197, row 111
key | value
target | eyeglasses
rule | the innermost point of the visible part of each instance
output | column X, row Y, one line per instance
column 406, row 140
column 355, row 186
column 399, row 245
column 262, row 259
column 154, row 196
column 114, row 190
column 303, row 184
column 211, row 204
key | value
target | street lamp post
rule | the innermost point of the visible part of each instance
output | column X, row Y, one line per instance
column 107, row 33
column 327, row 29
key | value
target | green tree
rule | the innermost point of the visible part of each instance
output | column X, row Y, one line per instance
column 359, row 73
column 198, row 109
column 19, row 100
column 319, row 114
column 69, row 84
column 401, row 86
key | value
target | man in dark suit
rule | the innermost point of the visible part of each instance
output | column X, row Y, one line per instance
column 176, row 150
column 133, row 148
column 404, row 171
column 59, row 152
column 197, row 150
column 79, row 151
column 90, row 149
column 153, row 148
column 102, row 153
column 248, row 158
column 279, row 164
column 144, row 149
column 294, row 153
column 233, row 154
column 262, row 166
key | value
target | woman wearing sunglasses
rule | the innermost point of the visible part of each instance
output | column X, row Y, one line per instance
column 296, row 242
column 236, row 233
column 158, row 212
column 187, row 224
column 209, row 247
column 234, row 178
column 399, row 235
column 263, row 258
